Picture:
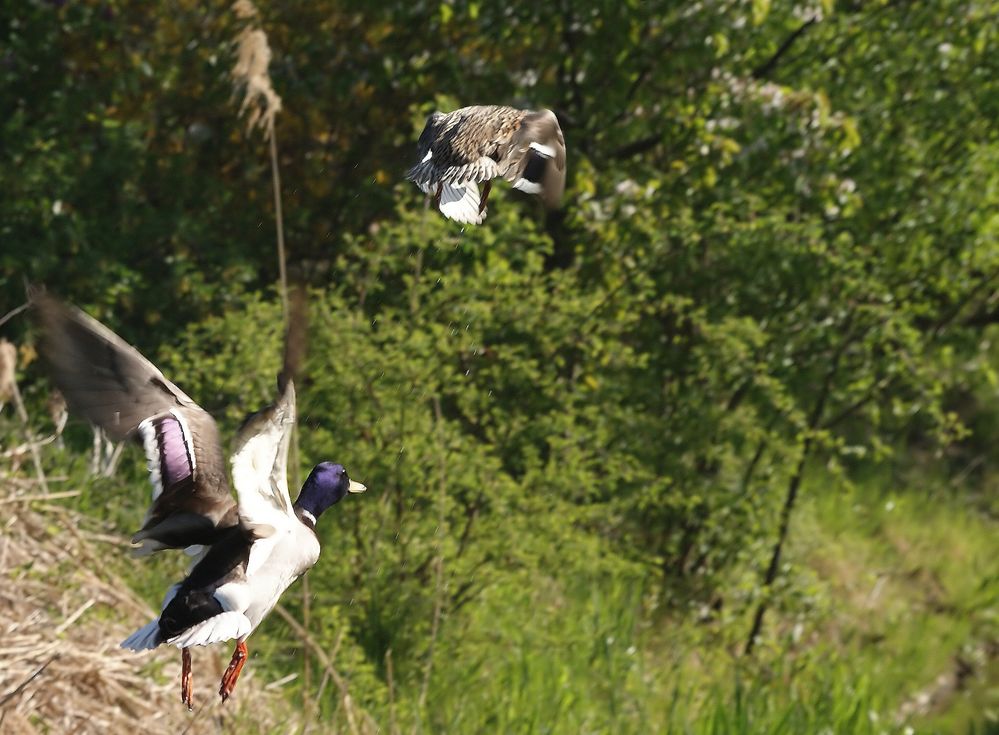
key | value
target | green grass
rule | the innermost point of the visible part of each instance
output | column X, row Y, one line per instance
column 932, row 559
column 900, row 587
column 578, row 665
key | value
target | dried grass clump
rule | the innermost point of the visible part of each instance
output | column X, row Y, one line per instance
column 62, row 615
column 253, row 57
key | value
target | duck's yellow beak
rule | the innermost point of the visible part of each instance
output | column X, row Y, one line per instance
column 356, row 487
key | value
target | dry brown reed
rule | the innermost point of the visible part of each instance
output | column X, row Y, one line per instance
column 9, row 367
column 63, row 613
column 260, row 102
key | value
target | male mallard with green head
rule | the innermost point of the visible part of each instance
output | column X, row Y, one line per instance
column 249, row 548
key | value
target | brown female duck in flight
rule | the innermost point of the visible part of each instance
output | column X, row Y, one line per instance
column 460, row 149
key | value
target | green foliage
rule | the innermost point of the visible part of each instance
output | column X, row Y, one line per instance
column 773, row 276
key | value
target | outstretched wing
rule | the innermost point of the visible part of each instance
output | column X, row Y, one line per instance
column 111, row 384
column 102, row 376
column 536, row 162
column 260, row 465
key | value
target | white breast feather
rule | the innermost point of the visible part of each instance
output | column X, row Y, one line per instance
column 292, row 552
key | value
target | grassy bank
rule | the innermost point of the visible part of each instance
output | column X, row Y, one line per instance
column 896, row 631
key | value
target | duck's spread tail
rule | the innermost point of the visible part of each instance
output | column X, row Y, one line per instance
column 146, row 637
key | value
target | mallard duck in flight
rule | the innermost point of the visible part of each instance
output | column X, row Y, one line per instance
column 249, row 548
column 460, row 149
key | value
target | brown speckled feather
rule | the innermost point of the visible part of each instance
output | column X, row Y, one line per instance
column 460, row 149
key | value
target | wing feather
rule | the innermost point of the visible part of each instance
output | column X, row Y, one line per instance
column 536, row 159
column 260, row 462
column 112, row 385
column 259, row 465
column 101, row 376
column 225, row 626
column 461, row 203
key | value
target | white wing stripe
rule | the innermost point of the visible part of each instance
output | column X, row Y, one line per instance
column 545, row 150
column 148, row 433
column 167, row 462
column 530, row 187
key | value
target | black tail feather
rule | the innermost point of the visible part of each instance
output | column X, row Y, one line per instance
column 187, row 609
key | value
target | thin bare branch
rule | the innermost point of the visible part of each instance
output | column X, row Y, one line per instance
column 765, row 69
column 12, row 313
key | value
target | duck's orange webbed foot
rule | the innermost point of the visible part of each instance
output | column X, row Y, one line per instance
column 232, row 672
column 185, row 678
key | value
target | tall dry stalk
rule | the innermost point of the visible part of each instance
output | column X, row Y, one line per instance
column 261, row 104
